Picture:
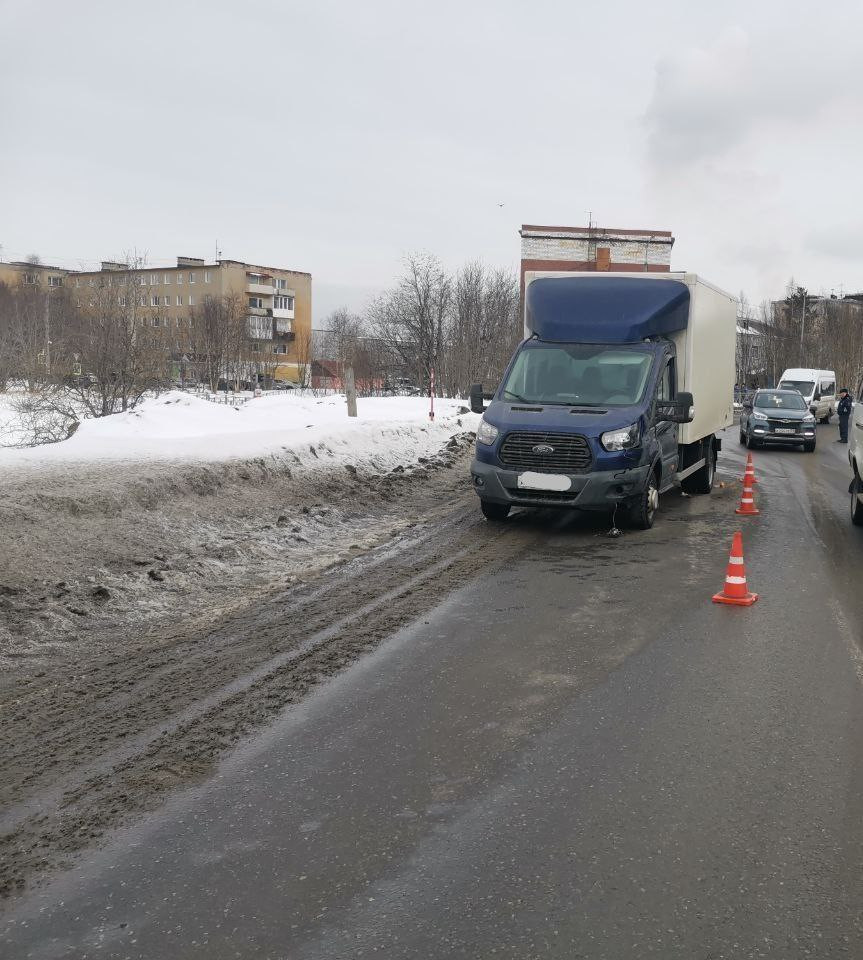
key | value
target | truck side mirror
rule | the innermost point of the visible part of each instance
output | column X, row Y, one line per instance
column 679, row 410
column 476, row 398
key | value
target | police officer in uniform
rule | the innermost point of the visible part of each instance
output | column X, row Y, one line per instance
column 843, row 408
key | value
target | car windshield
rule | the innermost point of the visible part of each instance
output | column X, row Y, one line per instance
column 804, row 387
column 586, row 374
column 778, row 400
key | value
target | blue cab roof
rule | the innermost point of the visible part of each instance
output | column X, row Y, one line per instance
column 605, row 309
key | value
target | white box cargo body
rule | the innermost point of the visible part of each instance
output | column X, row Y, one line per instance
column 705, row 349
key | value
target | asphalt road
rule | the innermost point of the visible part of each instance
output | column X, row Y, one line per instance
column 573, row 755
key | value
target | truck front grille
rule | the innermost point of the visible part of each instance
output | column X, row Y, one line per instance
column 569, row 452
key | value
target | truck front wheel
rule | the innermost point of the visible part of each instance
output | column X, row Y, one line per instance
column 643, row 511
column 494, row 511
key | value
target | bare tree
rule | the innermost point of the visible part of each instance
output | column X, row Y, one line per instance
column 411, row 319
column 114, row 348
column 484, row 326
column 305, row 356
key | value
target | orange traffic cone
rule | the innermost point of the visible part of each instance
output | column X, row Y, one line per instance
column 735, row 590
column 749, row 472
column 747, row 506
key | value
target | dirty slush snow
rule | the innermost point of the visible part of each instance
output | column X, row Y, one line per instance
column 134, row 588
column 203, row 500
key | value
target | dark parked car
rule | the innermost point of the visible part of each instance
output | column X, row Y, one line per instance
column 777, row 416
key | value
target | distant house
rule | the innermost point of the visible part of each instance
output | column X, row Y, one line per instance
column 330, row 375
column 327, row 374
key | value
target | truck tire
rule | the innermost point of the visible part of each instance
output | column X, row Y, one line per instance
column 643, row 511
column 494, row 511
column 856, row 506
column 751, row 442
column 826, row 417
column 702, row 480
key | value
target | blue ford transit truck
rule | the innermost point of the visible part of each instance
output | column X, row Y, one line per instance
column 616, row 394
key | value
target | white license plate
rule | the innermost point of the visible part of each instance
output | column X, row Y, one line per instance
column 784, row 430
column 543, row 481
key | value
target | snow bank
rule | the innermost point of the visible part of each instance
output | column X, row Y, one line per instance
column 180, row 426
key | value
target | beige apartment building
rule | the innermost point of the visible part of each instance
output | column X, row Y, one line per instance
column 277, row 302
column 38, row 275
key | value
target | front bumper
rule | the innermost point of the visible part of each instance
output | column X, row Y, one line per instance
column 802, row 435
column 599, row 490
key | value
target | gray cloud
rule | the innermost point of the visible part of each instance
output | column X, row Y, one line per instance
column 335, row 137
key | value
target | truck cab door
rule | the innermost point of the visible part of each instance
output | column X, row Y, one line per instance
column 666, row 431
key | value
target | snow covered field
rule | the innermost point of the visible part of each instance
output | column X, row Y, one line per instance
column 179, row 426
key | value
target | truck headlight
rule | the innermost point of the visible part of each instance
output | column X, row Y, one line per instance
column 758, row 415
column 624, row 439
column 486, row 432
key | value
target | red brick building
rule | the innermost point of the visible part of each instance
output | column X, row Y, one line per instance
column 594, row 248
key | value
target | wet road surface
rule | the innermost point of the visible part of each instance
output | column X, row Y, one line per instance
column 575, row 754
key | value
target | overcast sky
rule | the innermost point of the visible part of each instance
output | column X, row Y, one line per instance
column 335, row 137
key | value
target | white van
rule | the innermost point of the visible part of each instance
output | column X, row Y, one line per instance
column 817, row 386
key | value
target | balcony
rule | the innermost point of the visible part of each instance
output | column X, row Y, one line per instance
column 260, row 289
column 260, row 328
column 281, row 314
column 284, row 324
column 259, row 311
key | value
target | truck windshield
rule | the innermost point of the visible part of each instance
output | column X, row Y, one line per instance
column 586, row 374
column 804, row 387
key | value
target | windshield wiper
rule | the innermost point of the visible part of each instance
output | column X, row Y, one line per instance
column 518, row 397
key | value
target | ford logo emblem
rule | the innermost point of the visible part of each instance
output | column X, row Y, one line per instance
column 543, row 448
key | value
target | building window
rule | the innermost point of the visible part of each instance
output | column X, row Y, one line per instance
column 257, row 302
column 281, row 283
column 154, row 279
column 31, row 278
column 179, row 300
column 283, row 303
column 140, row 281
column 167, row 301
column 55, row 281
column 167, row 278
column 206, row 276
column 191, row 300
column 122, row 301
column 280, row 348
column 191, row 278
column 157, row 321
column 290, row 303
column 179, row 278
column 154, row 301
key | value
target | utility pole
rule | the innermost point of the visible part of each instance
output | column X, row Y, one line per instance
column 802, row 328
column 350, row 391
